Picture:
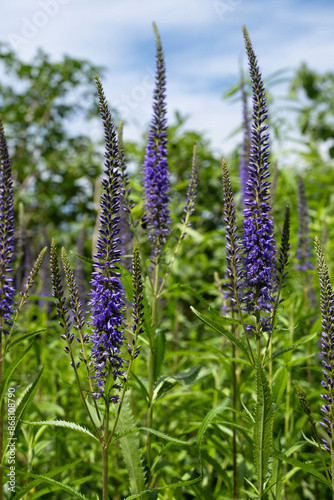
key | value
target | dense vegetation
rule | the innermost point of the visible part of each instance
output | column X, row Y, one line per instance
column 230, row 415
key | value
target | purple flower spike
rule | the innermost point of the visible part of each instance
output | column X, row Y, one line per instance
column 304, row 252
column 6, row 234
column 156, row 175
column 258, row 238
column 107, row 296
column 327, row 346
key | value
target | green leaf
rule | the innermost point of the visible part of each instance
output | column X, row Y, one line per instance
column 131, row 450
column 164, row 384
column 291, row 347
column 263, row 427
column 206, row 422
column 10, row 370
column 159, row 353
column 144, row 389
column 275, row 483
column 279, row 385
column 68, row 425
column 82, row 258
column 18, row 339
column 168, row 486
column 188, row 377
column 46, row 479
column 126, row 281
column 152, row 431
column 219, row 325
column 50, row 474
column 303, row 466
column 26, row 400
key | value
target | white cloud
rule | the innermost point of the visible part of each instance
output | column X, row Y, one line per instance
column 203, row 46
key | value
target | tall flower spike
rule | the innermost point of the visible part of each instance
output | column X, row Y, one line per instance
column 107, row 296
column 233, row 251
column 327, row 312
column 283, row 257
column 138, row 306
column 156, row 175
column 189, row 206
column 245, row 147
column 75, row 301
column 258, row 238
column 58, row 294
column 137, row 286
column 6, row 234
column 304, row 252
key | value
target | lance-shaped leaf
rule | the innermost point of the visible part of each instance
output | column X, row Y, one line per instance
column 263, row 427
column 220, row 325
column 130, row 447
column 68, row 425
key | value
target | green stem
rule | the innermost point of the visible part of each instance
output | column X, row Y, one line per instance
column 105, row 452
column 81, row 392
column 151, row 365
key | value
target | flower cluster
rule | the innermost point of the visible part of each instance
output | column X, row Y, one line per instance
column 107, row 295
column 304, row 252
column 156, row 175
column 327, row 312
column 233, row 250
column 258, row 238
column 138, row 306
column 6, row 233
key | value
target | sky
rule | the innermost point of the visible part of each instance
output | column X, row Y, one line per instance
column 203, row 46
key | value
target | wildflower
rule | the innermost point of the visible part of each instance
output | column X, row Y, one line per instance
column 6, row 233
column 156, row 175
column 258, row 238
column 304, row 252
column 327, row 312
column 107, row 296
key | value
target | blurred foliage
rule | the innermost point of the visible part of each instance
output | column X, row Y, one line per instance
column 315, row 95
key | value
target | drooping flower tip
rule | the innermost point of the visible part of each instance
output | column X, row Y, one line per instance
column 156, row 174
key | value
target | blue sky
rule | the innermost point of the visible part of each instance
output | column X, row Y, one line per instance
column 202, row 41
